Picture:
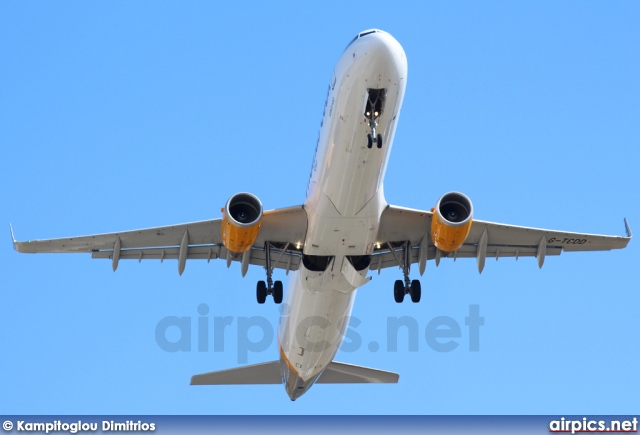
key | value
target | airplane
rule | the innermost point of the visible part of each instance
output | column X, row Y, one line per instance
column 343, row 230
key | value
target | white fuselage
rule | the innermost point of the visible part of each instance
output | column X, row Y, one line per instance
column 344, row 202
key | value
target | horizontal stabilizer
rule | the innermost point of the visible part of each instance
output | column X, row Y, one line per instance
column 341, row 373
column 264, row 373
column 270, row 373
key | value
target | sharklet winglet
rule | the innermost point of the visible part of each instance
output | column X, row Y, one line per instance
column 13, row 239
column 627, row 228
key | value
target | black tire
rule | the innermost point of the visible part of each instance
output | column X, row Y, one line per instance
column 369, row 141
column 416, row 291
column 277, row 292
column 261, row 292
column 379, row 141
column 398, row 291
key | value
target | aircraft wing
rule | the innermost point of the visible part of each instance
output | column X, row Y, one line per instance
column 283, row 229
column 399, row 226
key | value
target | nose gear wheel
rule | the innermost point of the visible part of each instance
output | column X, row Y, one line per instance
column 372, row 112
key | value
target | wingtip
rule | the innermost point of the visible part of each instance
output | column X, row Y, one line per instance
column 13, row 239
column 627, row 228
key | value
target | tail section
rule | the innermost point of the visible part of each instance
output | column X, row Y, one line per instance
column 341, row 373
column 271, row 373
column 265, row 373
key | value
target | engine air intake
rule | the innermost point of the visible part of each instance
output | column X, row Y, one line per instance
column 241, row 222
column 451, row 221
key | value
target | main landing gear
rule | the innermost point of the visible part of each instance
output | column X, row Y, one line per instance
column 372, row 112
column 262, row 291
column 270, row 287
column 400, row 288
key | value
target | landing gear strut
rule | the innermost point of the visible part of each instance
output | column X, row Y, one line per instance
column 271, row 287
column 400, row 287
column 372, row 112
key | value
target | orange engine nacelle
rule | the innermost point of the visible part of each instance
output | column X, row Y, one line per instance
column 451, row 221
column 241, row 222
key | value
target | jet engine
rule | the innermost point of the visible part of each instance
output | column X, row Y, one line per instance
column 451, row 221
column 241, row 221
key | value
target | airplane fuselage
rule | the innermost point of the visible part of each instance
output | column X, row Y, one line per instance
column 343, row 224
column 345, row 200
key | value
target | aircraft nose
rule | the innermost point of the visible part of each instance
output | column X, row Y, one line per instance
column 379, row 53
column 381, row 45
column 384, row 45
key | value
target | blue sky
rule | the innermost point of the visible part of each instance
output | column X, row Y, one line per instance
column 125, row 115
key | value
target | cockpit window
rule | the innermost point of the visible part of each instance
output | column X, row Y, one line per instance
column 367, row 33
column 360, row 35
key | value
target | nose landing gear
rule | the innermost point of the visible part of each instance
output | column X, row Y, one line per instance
column 371, row 139
column 372, row 112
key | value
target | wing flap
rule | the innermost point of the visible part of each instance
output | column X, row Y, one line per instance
column 290, row 260
column 500, row 251
column 384, row 258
